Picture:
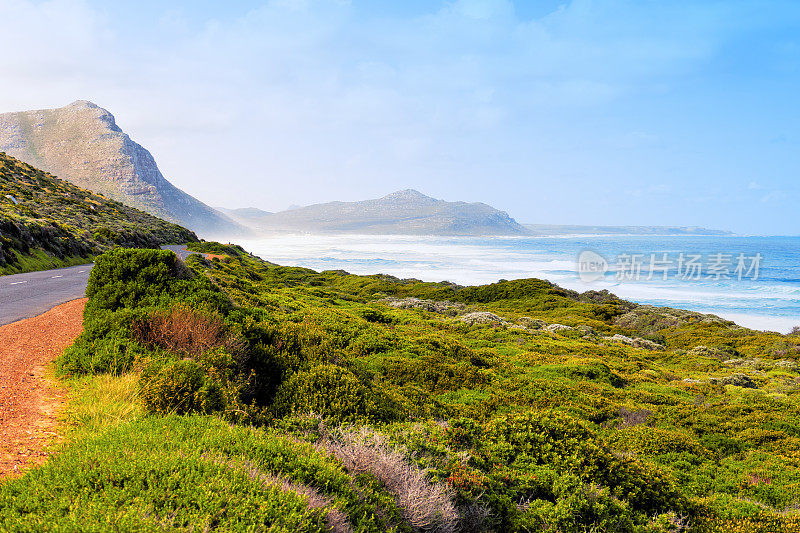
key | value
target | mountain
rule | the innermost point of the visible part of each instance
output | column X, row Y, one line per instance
column 243, row 215
column 552, row 229
column 83, row 144
column 245, row 212
column 46, row 222
column 407, row 212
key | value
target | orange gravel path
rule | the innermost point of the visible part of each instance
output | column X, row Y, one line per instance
column 30, row 401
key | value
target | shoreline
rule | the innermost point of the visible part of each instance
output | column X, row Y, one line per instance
column 473, row 262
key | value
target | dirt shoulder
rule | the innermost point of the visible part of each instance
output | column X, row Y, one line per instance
column 30, row 401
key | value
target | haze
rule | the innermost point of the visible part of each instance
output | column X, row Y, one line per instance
column 605, row 112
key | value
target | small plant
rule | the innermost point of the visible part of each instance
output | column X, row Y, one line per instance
column 426, row 506
column 331, row 391
column 179, row 387
column 635, row 417
column 182, row 330
column 114, row 354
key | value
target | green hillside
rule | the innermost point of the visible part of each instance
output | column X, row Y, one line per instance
column 238, row 395
column 46, row 222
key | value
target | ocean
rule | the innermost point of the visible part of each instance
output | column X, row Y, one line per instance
column 754, row 281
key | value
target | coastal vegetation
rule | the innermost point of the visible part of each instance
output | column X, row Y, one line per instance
column 46, row 222
column 238, row 395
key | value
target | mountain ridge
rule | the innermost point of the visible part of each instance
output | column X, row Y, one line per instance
column 576, row 229
column 404, row 212
column 83, row 144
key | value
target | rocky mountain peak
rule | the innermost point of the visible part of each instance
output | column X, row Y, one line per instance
column 90, row 111
column 408, row 195
column 84, row 104
column 83, row 144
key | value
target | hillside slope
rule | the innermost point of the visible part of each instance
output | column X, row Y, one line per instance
column 407, row 212
column 82, row 143
column 46, row 222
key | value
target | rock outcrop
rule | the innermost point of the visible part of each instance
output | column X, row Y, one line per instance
column 443, row 308
column 483, row 317
column 637, row 342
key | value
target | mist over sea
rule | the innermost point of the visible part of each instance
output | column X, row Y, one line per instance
column 768, row 301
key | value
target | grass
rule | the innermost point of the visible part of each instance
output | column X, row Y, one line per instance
column 41, row 260
column 189, row 473
column 99, row 402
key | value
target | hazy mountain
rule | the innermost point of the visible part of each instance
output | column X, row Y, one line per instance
column 244, row 215
column 406, row 212
column 82, row 143
column 244, row 212
column 552, row 229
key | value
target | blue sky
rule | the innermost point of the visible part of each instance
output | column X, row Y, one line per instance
column 584, row 112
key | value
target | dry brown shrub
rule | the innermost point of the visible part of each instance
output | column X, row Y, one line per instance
column 426, row 506
column 185, row 331
column 633, row 418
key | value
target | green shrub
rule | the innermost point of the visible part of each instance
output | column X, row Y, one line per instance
column 463, row 432
column 524, row 443
column 598, row 372
column 114, row 354
column 576, row 505
column 656, row 441
column 334, row 392
column 179, row 387
column 216, row 248
column 373, row 315
column 128, row 278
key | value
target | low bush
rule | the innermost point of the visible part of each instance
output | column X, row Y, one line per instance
column 216, row 248
column 113, row 354
column 182, row 330
column 650, row 441
column 554, row 458
column 179, row 387
column 132, row 278
column 333, row 392
column 595, row 371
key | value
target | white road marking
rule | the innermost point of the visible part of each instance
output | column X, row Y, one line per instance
column 17, row 282
column 54, row 277
column 81, row 271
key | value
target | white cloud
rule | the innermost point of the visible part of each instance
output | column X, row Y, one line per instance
column 47, row 42
column 309, row 91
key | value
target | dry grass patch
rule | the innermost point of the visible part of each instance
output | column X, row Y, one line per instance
column 425, row 506
column 102, row 401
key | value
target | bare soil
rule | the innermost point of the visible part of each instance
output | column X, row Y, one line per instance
column 30, row 400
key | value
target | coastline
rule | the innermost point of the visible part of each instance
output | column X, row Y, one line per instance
column 771, row 303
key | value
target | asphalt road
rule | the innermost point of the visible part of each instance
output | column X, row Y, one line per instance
column 31, row 294
column 179, row 249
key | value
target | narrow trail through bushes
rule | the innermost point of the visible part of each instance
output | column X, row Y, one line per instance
column 30, row 400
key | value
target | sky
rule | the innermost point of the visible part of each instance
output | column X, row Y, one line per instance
column 605, row 112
